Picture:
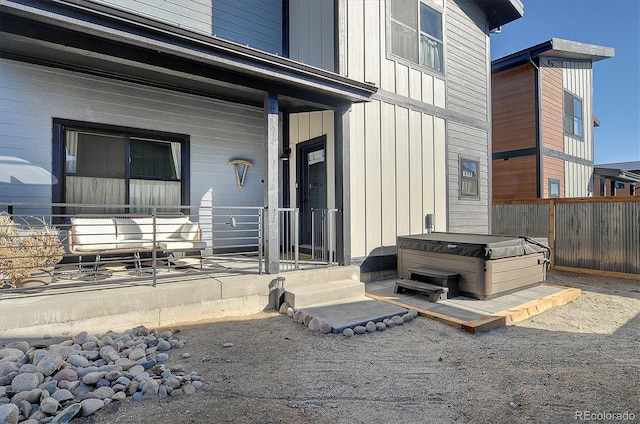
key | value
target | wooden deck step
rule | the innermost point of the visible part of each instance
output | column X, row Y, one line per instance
column 434, row 292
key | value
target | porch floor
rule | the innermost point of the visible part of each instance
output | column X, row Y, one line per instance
column 474, row 315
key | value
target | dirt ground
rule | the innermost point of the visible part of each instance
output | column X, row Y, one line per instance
column 578, row 361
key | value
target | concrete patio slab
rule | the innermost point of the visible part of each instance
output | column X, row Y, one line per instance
column 356, row 312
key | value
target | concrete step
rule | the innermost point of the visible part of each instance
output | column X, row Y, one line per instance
column 319, row 293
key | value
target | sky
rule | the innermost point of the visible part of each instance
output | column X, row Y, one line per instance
column 610, row 23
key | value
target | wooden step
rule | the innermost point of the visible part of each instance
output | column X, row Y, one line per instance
column 434, row 292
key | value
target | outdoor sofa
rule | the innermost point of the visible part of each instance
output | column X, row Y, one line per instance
column 132, row 235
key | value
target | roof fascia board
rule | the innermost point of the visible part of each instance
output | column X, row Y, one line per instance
column 555, row 47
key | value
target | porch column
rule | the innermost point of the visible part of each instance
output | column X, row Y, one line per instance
column 271, row 184
column 343, row 186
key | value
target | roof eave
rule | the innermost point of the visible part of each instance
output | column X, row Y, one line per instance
column 555, row 47
column 501, row 12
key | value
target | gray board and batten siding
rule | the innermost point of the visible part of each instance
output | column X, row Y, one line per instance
column 218, row 130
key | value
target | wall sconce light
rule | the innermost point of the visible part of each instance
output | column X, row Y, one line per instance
column 285, row 154
column 240, row 176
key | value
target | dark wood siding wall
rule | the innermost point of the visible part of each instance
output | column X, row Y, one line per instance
column 514, row 178
column 552, row 113
column 554, row 169
column 513, row 105
column 514, row 133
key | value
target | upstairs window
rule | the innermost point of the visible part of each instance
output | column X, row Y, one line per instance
column 572, row 115
column 416, row 33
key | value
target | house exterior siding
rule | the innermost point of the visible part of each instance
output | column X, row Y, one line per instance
column 398, row 130
column 218, row 130
column 195, row 15
column 557, row 68
column 257, row 23
column 312, row 33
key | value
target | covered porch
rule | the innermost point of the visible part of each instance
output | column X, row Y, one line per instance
column 214, row 102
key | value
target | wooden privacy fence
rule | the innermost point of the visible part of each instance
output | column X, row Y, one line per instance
column 593, row 233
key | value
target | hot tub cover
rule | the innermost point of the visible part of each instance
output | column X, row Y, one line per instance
column 475, row 245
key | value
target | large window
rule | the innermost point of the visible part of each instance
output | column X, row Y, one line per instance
column 572, row 115
column 116, row 166
column 469, row 179
column 416, row 32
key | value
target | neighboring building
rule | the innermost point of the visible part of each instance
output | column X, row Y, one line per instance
column 543, row 120
column 382, row 108
column 617, row 179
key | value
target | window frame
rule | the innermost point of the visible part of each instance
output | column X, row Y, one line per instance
column 462, row 177
column 418, row 32
column 572, row 117
column 61, row 126
column 551, row 181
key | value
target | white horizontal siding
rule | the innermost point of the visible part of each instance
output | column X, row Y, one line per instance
column 468, row 215
column 466, row 58
column 31, row 96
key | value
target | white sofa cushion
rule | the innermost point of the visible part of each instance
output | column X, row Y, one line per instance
column 190, row 230
column 134, row 228
column 179, row 245
column 135, row 244
column 170, row 228
column 91, row 232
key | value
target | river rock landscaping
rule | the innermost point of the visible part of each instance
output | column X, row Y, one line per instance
column 55, row 380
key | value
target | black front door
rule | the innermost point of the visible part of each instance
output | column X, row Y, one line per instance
column 312, row 184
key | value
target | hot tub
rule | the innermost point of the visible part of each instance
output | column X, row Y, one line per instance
column 488, row 265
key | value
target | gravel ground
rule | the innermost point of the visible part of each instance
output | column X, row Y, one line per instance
column 581, row 358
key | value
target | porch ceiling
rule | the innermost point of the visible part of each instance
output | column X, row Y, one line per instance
column 100, row 40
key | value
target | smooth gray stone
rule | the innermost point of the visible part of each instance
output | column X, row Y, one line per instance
column 348, row 332
column 62, row 395
column 67, row 374
column 21, row 344
column 78, row 360
column 90, row 406
column 104, row 392
column 67, row 414
column 11, row 354
column 25, row 382
column 381, row 326
column 9, row 413
column 359, row 329
column 371, row 327
column 93, row 377
column 49, row 405
column 325, row 328
column 50, row 363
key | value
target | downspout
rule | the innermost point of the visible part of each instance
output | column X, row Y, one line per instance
column 538, row 107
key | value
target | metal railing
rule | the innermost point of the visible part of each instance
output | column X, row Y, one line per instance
column 38, row 245
column 323, row 235
column 289, row 238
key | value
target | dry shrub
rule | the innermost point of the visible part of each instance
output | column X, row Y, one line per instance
column 22, row 251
